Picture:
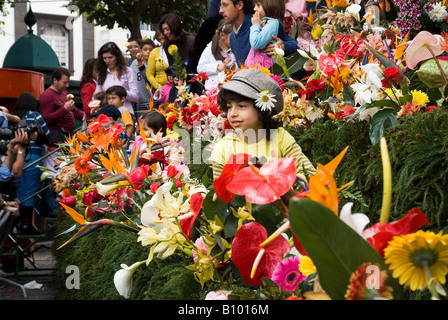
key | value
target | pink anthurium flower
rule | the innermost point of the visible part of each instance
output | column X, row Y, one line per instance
column 267, row 184
column 246, row 250
column 330, row 62
column 424, row 46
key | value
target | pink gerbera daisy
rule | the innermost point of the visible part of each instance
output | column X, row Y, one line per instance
column 124, row 198
column 287, row 275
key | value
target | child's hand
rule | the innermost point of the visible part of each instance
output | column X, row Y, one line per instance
column 256, row 18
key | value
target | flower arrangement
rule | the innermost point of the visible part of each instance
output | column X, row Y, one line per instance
column 256, row 232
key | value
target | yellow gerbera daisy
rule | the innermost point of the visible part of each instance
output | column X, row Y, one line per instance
column 421, row 97
column 411, row 256
column 306, row 266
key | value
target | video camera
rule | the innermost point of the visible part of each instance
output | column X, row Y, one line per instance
column 9, row 132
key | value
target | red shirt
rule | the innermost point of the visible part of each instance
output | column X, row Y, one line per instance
column 54, row 113
column 87, row 92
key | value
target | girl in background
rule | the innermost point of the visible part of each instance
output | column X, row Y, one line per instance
column 88, row 86
column 266, row 22
column 217, row 56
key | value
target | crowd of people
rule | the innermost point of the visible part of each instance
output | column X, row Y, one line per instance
column 235, row 33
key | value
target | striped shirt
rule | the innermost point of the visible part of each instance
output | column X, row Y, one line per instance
column 281, row 145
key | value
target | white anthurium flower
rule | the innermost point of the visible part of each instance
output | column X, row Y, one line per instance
column 374, row 74
column 123, row 279
column 150, row 211
column 265, row 101
column 357, row 221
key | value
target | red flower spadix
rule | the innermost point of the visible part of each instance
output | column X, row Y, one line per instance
column 264, row 185
column 245, row 249
column 234, row 164
column 380, row 234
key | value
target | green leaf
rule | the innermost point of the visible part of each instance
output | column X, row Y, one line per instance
column 348, row 95
column 214, row 208
column 434, row 94
column 335, row 249
column 381, row 120
column 205, row 180
column 294, row 62
column 114, row 178
column 388, row 63
column 430, row 74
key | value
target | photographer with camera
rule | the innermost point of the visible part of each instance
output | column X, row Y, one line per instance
column 27, row 109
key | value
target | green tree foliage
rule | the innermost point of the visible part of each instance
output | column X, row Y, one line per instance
column 129, row 13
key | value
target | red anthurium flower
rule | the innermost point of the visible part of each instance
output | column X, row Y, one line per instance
column 246, row 247
column 234, row 164
column 138, row 175
column 117, row 129
column 69, row 201
column 328, row 63
column 94, row 126
column 380, row 234
column 350, row 45
column 267, row 184
column 196, row 202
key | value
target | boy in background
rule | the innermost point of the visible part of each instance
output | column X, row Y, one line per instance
column 114, row 115
column 139, row 66
column 116, row 95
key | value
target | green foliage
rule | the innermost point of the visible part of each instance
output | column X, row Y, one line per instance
column 334, row 247
column 128, row 13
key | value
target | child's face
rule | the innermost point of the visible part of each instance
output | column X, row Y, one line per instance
column 225, row 38
column 109, row 124
column 147, row 130
column 170, row 79
column 114, row 99
column 243, row 115
column 259, row 9
column 133, row 48
column 146, row 50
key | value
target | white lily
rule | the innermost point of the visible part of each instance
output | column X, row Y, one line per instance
column 104, row 189
column 150, row 211
column 357, row 221
column 123, row 279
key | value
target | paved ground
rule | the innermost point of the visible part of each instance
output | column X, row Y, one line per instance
column 45, row 262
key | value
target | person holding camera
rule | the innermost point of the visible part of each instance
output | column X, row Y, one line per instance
column 27, row 109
